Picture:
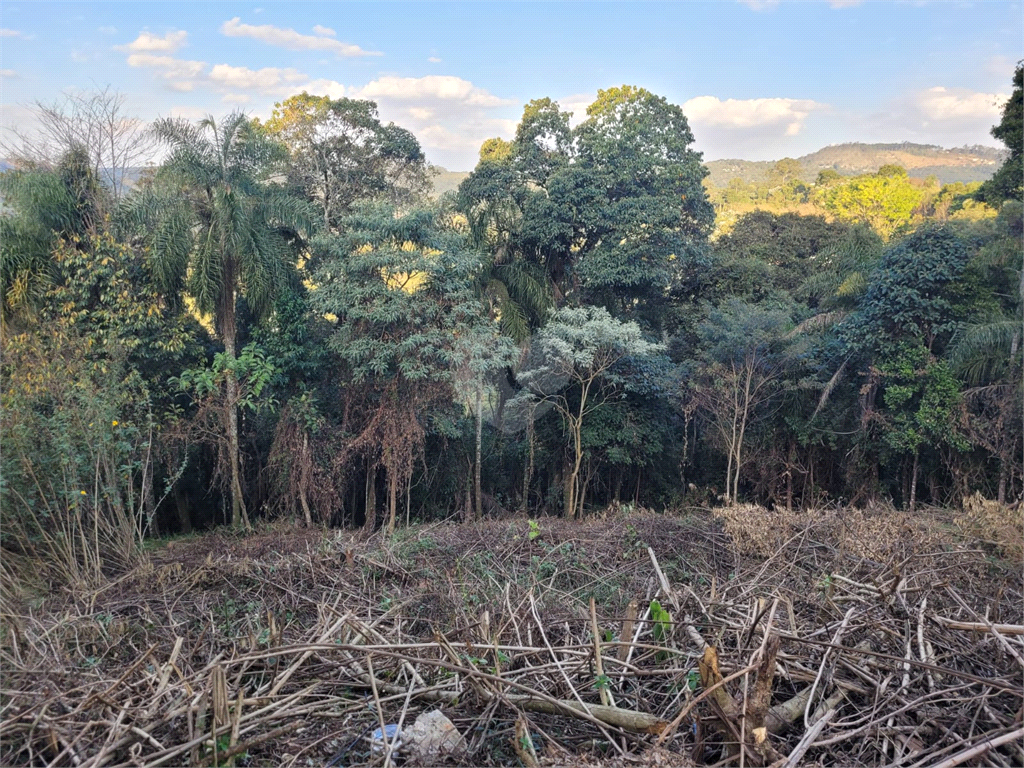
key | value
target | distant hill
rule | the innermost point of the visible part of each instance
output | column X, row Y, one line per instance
column 447, row 181
column 975, row 163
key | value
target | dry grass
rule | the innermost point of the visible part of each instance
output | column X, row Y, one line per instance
column 273, row 635
column 995, row 524
column 877, row 533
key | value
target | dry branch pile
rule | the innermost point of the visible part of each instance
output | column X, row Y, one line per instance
column 541, row 643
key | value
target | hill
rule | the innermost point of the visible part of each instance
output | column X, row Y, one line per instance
column 446, row 181
column 966, row 164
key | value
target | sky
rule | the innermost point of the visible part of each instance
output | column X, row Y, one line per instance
column 757, row 79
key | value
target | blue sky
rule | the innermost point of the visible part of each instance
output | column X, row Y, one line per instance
column 760, row 79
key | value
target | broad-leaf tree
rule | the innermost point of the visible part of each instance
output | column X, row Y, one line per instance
column 574, row 367
column 340, row 152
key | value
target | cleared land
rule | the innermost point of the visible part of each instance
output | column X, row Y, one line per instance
column 851, row 637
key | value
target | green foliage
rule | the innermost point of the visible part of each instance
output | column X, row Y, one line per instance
column 906, row 297
column 42, row 206
column 534, row 531
column 251, row 369
column 340, row 153
column 215, row 228
column 1008, row 182
column 662, row 622
column 82, row 403
column 884, row 200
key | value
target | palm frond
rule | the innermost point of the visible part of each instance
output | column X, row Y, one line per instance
column 982, row 351
column 830, row 386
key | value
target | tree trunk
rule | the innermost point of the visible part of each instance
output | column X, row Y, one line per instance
column 303, row 480
column 182, row 506
column 1003, row 472
column 231, row 387
column 371, row 498
column 392, row 501
column 568, row 486
column 528, row 477
column 479, row 440
column 791, row 460
column 913, row 482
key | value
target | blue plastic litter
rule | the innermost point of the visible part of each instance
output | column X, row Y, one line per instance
column 390, row 730
column 377, row 740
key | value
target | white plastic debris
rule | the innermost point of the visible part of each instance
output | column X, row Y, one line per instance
column 432, row 740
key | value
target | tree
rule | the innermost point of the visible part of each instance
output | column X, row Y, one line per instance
column 637, row 202
column 738, row 374
column 988, row 352
column 84, row 399
column 573, row 367
column 117, row 145
column 401, row 288
column 42, row 207
column 340, row 152
column 1008, row 182
column 218, row 231
column 884, row 200
column 904, row 323
column 612, row 212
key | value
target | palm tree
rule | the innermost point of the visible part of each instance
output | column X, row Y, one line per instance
column 218, row 230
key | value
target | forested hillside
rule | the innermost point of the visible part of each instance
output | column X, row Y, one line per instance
column 278, row 321
column 960, row 164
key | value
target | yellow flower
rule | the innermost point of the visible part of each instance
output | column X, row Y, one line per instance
column 83, row 493
column 114, row 423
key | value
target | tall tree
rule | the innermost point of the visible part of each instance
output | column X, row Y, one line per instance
column 902, row 327
column 218, row 230
column 885, row 200
column 574, row 368
column 401, row 290
column 341, row 152
column 738, row 375
column 638, row 204
column 1008, row 182
column 117, row 144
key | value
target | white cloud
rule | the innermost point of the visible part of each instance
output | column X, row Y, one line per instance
column 748, row 113
column 577, row 104
column 434, row 60
column 957, row 104
column 443, row 87
column 320, row 87
column 265, row 80
column 844, row 3
column 11, row 33
column 10, row 74
column 147, row 42
column 450, row 116
column 292, row 40
column 180, row 74
column 236, row 98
